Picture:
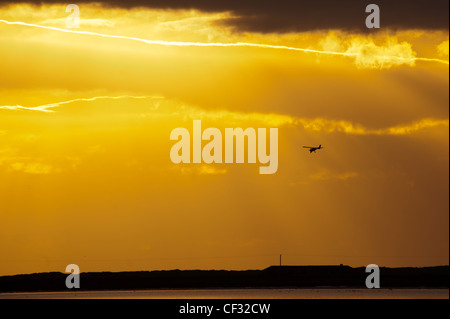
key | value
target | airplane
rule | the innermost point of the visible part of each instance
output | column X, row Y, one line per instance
column 313, row 149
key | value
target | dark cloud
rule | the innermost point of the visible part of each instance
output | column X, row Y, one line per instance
column 304, row 15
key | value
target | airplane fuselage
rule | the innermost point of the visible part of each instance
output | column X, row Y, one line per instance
column 314, row 149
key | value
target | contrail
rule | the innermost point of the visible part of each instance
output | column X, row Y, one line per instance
column 432, row 60
column 47, row 107
column 212, row 44
column 181, row 44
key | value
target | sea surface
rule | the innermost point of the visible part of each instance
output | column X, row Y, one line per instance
column 241, row 294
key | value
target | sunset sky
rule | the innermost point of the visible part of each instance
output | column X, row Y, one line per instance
column 85, row 122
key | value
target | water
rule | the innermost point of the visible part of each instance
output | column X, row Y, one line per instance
column 242, row 294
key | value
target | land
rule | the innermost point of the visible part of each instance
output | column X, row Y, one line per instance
column 272, row 277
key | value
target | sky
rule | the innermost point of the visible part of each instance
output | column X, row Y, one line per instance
column 86, row 116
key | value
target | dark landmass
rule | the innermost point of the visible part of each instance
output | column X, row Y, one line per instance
column 272, row 277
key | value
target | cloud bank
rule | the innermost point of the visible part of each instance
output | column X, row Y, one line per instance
column 300, row 16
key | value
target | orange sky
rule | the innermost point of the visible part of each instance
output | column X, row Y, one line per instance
column 90, row 182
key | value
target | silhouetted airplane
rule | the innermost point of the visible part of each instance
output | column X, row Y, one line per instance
column 313, row 149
